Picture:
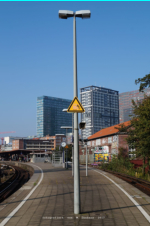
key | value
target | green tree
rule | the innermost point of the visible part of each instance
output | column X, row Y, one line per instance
column 139, row 133
column 122, row 128
column 122, row 153
column 59, row 148
column 144, row 82
column 69, row 152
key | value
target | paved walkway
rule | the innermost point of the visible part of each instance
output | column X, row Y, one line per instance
column 102, row 202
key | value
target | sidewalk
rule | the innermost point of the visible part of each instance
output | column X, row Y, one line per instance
column 102, row 203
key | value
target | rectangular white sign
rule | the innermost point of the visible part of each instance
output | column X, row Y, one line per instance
column 109, row 139
column 93, row 143
column 88, row 143
column 115, row 138
column 105, row 149
column 98, row 142
column 104, row 140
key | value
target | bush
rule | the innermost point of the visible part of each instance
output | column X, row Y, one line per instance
column 123, row 165
column 120, row 164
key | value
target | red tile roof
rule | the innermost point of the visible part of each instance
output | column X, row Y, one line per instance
column 107, row 131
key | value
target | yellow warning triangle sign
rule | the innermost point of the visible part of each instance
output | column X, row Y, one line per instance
column 76, row 106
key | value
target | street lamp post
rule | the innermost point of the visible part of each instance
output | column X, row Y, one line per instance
column 86, row 161
column 64, row 14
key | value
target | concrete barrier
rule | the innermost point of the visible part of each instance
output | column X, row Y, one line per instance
column 21, row 165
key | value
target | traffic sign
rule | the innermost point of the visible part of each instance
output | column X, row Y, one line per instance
column 76, row 106
column 63, row 144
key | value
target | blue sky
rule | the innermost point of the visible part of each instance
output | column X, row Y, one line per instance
column 36, row 53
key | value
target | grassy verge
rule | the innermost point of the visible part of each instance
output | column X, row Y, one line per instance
column 123, row 165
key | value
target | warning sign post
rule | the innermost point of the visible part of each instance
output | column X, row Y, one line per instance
column 76, row 106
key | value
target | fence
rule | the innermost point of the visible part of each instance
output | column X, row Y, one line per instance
column 83, row 158
column 57, row 159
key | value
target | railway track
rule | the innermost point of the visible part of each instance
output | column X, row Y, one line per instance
column 141, row 184
column 20, row 177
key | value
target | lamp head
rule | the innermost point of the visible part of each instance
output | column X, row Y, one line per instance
column 64, row 14
column 84, row 14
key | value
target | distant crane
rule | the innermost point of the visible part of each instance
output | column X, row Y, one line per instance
column 2, row 138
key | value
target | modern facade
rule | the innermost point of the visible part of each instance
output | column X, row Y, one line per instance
column 125, row 103
column 101, row 109
column 50, row 116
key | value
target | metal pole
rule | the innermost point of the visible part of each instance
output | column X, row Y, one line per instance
column 72, row 161
column 66, row 135
column 72, row 148
column 66, row 152
column 66, row 159
column 63, row 159
column 0, row 174
column 86, row 161
column 76, row 138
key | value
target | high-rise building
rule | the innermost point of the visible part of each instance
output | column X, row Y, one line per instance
column 125, row 103
column 101, row 109
column 50, row 116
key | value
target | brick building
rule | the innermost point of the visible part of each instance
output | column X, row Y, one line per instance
column 17, row 144
column 105, row 143
column 48, row 143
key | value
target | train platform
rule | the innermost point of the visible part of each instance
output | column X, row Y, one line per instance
column 48, row 199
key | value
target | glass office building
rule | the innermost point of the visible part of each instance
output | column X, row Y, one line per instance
column 125, row 103
column 50, row 116
column 101, row 109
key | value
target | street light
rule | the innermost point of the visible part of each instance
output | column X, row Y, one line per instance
column 66, row 127
column 64, row 14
